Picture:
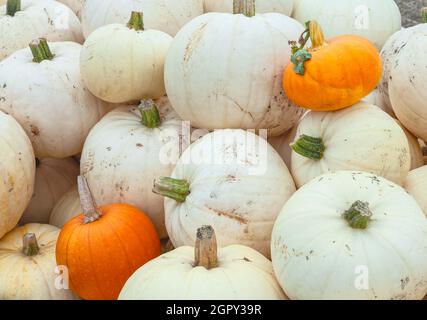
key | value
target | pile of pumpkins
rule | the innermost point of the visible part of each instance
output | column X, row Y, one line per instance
column 212, row 149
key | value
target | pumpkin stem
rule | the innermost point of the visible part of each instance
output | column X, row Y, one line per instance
column 358, row 215
column 136, row 21
column 30, row 247
column 424, row 15
column 309, row 147
column 205, row 250
column 12, row 7
column 316, row 35
column 90, row 209
column 246, row 7
column 150, row 116
column 40, row 50
column 176, row 189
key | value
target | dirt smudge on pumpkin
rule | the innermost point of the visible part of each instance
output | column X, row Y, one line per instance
column 231, row 215
column 34, row 130
column 193, row 41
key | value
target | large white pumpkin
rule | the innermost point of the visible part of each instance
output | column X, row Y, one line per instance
column 50, row 101
column 230, row 179
column 164, row 15
column 225, row 71
column 54, row 177
column 121, row 63
column 416, row 185
column 17, row 172
column 66, row 208
column 365, row 18
column 351, row 235
column 122, row 156
column 205, row 272
column 28, row 268
column 37, row 18
column 362, row 137
column 261, row 6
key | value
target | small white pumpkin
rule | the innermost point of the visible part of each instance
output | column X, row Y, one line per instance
column 17, row 172
column 360, row 17
column 28, row 265
column 164, row 15
column 54, row 177
column 50, row 101
column 262, row 6
column 230, row 179
column 125, row 63
column 126, row 150
column 416, row 185
column 36, row 18
column 351, row 235
column 66, row 208
column 217, row 76
column 205, row 272
column 362, row 137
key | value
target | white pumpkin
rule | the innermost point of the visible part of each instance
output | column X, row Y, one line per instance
column 28, row 265
column 66, row 208
column 217, row 76
column 360, row 17
column 17, row 172
column 415, row 149
column 362, row 137
column 351, row 235
column 261, row 6
column 54, row 177
column 75, row 5
column 165, row 15
column 109, row 67
column 37, row 18
column 50, row 101
column 404, row 79
column 416, row 185
column 122, row 156
column 230, row 179
column 205, row 272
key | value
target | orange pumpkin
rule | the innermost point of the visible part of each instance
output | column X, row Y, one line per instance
column 104, row 246
column 331, row 75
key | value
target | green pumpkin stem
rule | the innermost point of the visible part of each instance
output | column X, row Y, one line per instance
column 424, row 15
column 136, row 21
column 40, row 50
column 358, row 215
column 309, row 147
column 30, row 247
column 90, row 209
column 176, row 189
column 12, row 7
column 150, row 116
column 246, row 7
column 205, row 250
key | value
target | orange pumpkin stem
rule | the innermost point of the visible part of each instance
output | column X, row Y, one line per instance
column 90, row 209
column 30, row 247
column 206, row 248
column 246, row 7
column 136, row 21
column 316, row 35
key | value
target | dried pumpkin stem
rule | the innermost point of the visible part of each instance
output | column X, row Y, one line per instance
column 424, row 15
column 40, row 50
column 136, row 21
column 177, row 189
column 359, row 215
column 316, row 35
column 246, row 7
column 12, row 7
column 150, row 116
column 30, row 247
column 90, row 209
column 309, row 147
column 205, row 250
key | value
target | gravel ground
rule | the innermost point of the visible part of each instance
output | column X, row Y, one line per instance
column 410, row 10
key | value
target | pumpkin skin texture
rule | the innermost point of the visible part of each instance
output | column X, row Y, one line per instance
column 121, row 158
column 66, row 208
column 312, row 240
column 56, row 111
column 240, row 88
column 416, row 185
column 17, row 172
column 327, row 82
column 351, row 16
column 362, row 137
column 261, row 6
column 117, row 76
column 54, row 177
column 165, row 15
column 240, row 202
column 105, row 245
column 37, row 18
column 415, row 149
column 75, row 5
column 240, row 273
column 33, row 277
